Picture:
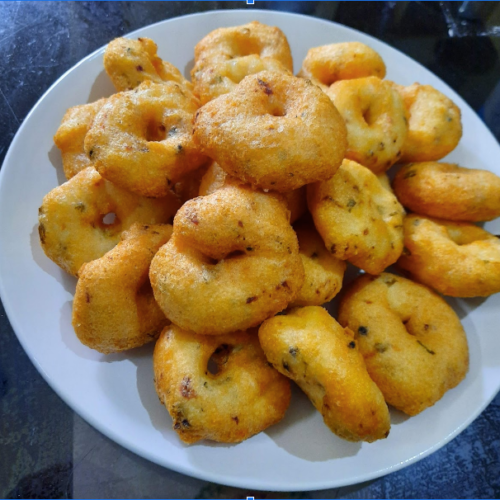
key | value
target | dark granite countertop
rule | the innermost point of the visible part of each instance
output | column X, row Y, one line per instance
column 46, row 450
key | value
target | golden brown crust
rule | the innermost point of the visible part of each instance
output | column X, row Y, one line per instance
column 114, row 308
column 72, row 224
column 232, row 262
column 414, row 346
column 129, row 62
column 226, row 55
column 243, row 398
column 447, row 191
column 455, row 258
column 358, row 218
column 323, row 272
column 310, row 347
column 341, row 61
column 216, row 178
column 142, row 139
column 375, row 119
column 434, row 123
column 70, row 136
column 274, row 131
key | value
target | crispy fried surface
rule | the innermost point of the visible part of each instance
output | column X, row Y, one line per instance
column 114, row 307
column 449, row 192
column 142, row 139
column 375, row 119
column 310, row 347
column 71, row 219
column 323, row 272
column 243, row 398
column 274, row 131
column 341, row 61
column 455, row 258
column 70, row 136
column 215, row 178
column 129, row 62
column 226, row 55
column 434, row 125
column 414, row 346
column 232, row 262
column 358, row 218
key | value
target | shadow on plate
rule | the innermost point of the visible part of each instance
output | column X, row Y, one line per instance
column 69, row 337
column 44, row 263
column 56, row 160
column 302, row 433
column 102, row 87
column 187, row 69
column 142, row 358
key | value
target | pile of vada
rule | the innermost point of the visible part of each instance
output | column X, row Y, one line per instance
column 216, row 217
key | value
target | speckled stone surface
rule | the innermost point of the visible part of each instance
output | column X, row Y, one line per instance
column 46, row 451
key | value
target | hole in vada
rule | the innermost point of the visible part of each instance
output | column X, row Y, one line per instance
column 235, row 253
column 368, row 117
column 155, row 131
column 109, row 219
column 277, row 110
column 218, row 359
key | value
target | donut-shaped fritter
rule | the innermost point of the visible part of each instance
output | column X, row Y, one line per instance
column 414, row 346
column 434, row 123
column 129, row 62
column 375, row 119
column 455, row 258
column 274, row 131
column 73, row 226
column 358, row 218
column 225, row 56
column 341, row 61
column 141, row 140
column 232, row 262
column 447, row 191
column 243, row 397
column 215, row 178
column 70, row 136
column 114, row 308
column 310, row 347
column 323, row 272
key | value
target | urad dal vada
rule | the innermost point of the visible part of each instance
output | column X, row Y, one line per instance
column 310, row 347
column 114, row 308
column 375, row 119
column 215, row 178
column 243, row 397
column 447, row 191
column 455, row 258
column 70, row 136
column 434, row 123
column 226, row 55
column 274, row 131
column 141, row 140
column 73, row 226
column 232, row 262
column 129, row 62
column 413, row 344
column 358, row 218
column 341, row 61
column 323, row 272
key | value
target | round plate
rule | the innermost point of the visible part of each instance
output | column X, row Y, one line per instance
column 115, row 393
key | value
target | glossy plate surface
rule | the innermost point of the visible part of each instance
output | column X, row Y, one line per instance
column 116, row 394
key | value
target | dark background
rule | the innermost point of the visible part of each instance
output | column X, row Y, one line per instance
column 48, row 451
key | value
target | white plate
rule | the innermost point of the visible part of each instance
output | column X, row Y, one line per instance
column 116, row 394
